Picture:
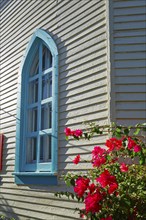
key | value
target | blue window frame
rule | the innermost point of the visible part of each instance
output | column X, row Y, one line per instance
column 37, row 107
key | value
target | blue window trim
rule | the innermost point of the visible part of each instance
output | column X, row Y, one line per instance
column 50, row 177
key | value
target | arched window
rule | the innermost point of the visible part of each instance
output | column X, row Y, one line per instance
column 36, row 129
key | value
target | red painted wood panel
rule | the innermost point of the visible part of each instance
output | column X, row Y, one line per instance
column 1, row 149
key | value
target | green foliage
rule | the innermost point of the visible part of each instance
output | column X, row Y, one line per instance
column 128, row 200
column 2, row 217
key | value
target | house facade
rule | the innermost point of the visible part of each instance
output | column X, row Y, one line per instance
column 63, row 63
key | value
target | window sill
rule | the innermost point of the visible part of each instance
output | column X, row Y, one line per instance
column 35, row 178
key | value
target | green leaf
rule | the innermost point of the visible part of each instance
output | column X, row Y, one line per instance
column 68, row 182
column 126, row 131
column 86, row 135
column 142, row 161
column 108, row 157
column 89, row 136
column 72, row 182
column 127, row 202
column 72, row 196
column 66, row 138
column 118, row 134
column 56, row 194
column 96, row 130
column 118, row 129
column 137, row 131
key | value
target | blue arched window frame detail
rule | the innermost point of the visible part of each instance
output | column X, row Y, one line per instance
column 49, row 176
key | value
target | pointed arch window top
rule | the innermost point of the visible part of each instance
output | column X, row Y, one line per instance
column 46, row 38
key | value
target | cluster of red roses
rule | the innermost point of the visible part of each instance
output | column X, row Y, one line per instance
column 94, row 192
column 99, row 154
column 74, row 133
column 115, row 144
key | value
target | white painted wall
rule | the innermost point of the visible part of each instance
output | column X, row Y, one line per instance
column 128, row 58
column 80, row 31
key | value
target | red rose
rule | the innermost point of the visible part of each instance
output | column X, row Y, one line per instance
column 99, row 161
column 137, row 148
column 112, row 188
column 114, row 144
column 98, row 151
column 92, row 202
column 92, row 188
column 106, row 179
column 78, row 133
column 67, row 131
column 76, row 159
column 131, row 143
column 81, row 186
column 123, row 167
column 98, row 156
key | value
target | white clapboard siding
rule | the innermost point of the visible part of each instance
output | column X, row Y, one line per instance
column 79, row 29
column 128, row 57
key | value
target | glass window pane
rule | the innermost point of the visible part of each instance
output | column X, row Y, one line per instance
column 47, row 86
column 33, row 91
column 46, row 59
column 45, row 148
column 46, row 117
column 31, row 150
column 34, row 69
column 32, row 120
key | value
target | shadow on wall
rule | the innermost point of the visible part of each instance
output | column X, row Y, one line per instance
column 5, row 208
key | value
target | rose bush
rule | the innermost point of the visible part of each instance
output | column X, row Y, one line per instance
column 115, row 187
